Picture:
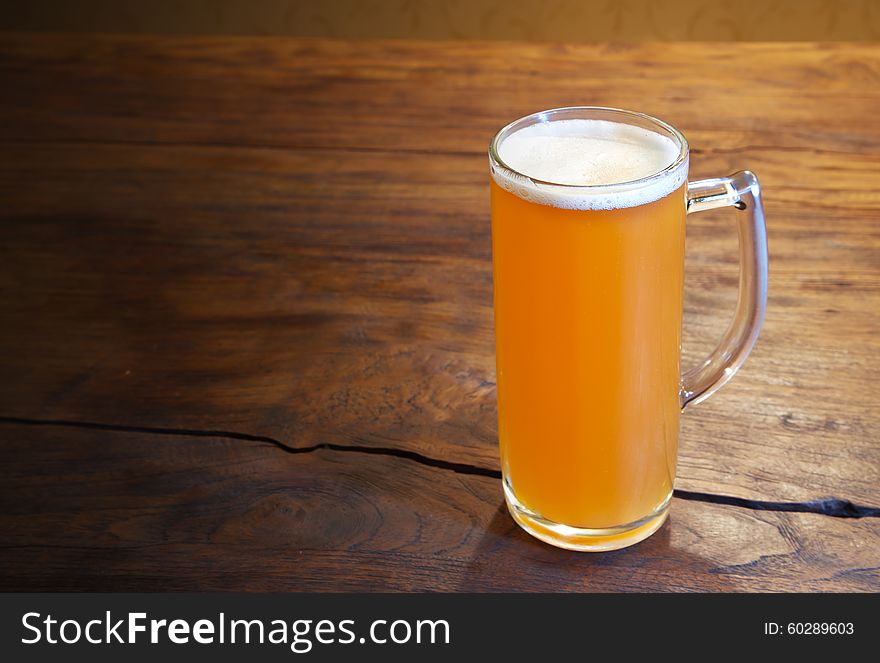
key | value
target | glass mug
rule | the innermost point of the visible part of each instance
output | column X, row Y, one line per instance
column 588, row 287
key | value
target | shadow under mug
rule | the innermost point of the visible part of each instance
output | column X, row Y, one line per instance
column 588, row 297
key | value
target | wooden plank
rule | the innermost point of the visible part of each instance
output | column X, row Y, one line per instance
column 290, row 239
column 416, row 96
column 280, row 293
column 128, row 511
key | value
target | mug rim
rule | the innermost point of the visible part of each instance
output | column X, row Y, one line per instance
column 547, row 116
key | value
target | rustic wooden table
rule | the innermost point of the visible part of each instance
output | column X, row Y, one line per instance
column 247, row 315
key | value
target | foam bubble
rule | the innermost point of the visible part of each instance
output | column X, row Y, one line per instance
column 592, row 155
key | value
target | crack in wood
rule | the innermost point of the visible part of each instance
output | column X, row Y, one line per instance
column 833, row 507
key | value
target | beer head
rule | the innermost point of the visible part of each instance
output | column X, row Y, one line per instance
column 587, row 163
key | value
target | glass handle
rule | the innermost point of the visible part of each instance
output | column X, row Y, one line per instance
column 742, row 191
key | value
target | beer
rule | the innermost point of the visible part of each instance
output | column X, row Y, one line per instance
column 588, row 279
column 588, row 229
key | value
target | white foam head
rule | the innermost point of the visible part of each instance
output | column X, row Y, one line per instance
column 600, row 159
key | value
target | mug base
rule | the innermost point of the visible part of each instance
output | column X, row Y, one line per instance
column 584, row 539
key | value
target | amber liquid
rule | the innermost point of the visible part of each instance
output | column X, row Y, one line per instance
column 588, row 308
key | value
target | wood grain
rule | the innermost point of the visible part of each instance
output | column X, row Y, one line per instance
column 218, row 514
column 290, row 239
column 437, row 96
column 329, row 313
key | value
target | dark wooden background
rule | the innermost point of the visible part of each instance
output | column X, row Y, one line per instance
column 246, row 303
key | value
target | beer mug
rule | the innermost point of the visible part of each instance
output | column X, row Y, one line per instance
column 588, row 237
